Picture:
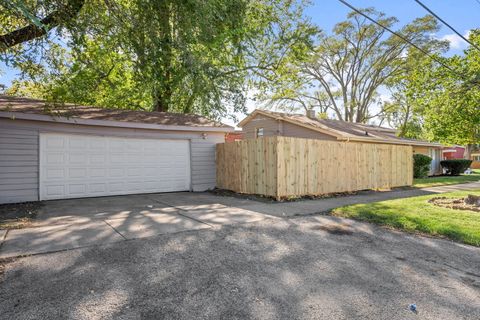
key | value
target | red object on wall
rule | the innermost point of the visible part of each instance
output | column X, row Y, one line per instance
column 234, row 136
column 454, row 152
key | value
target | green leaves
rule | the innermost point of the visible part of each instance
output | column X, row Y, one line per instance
column 343, row 73
column 198, row 56
column 447, row 102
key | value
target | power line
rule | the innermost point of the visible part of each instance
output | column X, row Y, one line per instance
column 449, row 26
column 401, row 37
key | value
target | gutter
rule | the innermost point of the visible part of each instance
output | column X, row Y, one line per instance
column 109, row 123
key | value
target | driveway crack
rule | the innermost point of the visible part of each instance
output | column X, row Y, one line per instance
column 181, row 214
column 108, row 224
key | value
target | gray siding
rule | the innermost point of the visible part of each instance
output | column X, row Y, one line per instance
column 203, row 162
column 19, row 153
column 18, row 164
column 271, row 127
column 292, row 130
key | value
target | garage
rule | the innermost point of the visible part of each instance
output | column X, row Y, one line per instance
column 70, row 151
column 77, row 166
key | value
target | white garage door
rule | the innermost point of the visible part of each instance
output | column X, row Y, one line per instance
column 75, row 166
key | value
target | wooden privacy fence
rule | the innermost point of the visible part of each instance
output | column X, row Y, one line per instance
column 284, row 167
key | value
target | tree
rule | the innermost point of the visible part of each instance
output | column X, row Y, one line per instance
column 402, row 112
column 345, row 71
column 182, row 56
column 449, row 101
column 64, row 13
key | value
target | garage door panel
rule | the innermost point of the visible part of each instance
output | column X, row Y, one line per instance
column 77, row 158
column 116, row 172
column 97, row 159
column 97, row 144
column 54, row 173
column 55, row 142
column 117, row 186
column 97, row 188
column 54, row 191
column 77, row 189
column 78, row 142
column 55, row 158
column 97, row 172
column 116, row 158
column 77, row 173
column 73, row 166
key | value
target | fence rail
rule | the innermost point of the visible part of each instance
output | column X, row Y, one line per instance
column 283, row 167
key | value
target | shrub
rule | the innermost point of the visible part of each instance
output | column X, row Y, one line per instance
column 421, row 165
column 455, row 167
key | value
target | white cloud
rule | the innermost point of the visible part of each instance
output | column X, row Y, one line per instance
column 456, row 43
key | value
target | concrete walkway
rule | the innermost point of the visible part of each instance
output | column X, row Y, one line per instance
column 308, row 207
column 68, row 224
column 76, row 223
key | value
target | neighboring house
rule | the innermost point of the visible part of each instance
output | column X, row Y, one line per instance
column 475, row 157
column 237, row 135
column 266, row 123
column 453, row 152
column 74, row 151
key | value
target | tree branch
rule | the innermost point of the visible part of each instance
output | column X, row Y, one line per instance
column 65, row 13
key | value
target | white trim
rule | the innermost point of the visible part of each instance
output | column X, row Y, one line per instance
column 256, row 132
column 108, row 123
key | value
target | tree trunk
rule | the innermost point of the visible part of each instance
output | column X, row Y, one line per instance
column 472, row 200
column 159, row 103
column 163, row 91
column 468, row 151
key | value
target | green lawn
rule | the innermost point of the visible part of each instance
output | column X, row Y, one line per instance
column 417, row 215
column 446, row 180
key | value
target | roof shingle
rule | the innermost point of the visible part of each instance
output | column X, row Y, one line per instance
column 345, row 129
column 33, row 106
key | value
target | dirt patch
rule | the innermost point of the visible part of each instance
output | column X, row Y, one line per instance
column 334, row 229
column 268, row 199
column 453, row 203
column 18, row 215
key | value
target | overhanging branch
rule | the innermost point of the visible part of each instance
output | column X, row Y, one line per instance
column 65, row 13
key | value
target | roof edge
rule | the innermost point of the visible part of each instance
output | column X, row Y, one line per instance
column 109, row 123
column 330, row 132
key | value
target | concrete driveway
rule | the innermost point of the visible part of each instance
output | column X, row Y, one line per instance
column 314, row 267
column 75, row 223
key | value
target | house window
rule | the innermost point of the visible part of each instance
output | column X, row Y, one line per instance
column 258, row 132
column 476, row 158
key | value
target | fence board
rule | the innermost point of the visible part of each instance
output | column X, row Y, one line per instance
column 284, row 166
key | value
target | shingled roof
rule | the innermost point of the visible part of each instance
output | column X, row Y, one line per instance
column 10, row 104
column 342, row 130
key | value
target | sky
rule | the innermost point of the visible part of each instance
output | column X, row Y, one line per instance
column 463, row 15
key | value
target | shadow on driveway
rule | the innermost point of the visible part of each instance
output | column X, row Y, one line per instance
column 302, row 268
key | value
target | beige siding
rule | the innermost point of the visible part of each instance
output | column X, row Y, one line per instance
column 19, row 152
column 422, row 150
column 271, row 127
